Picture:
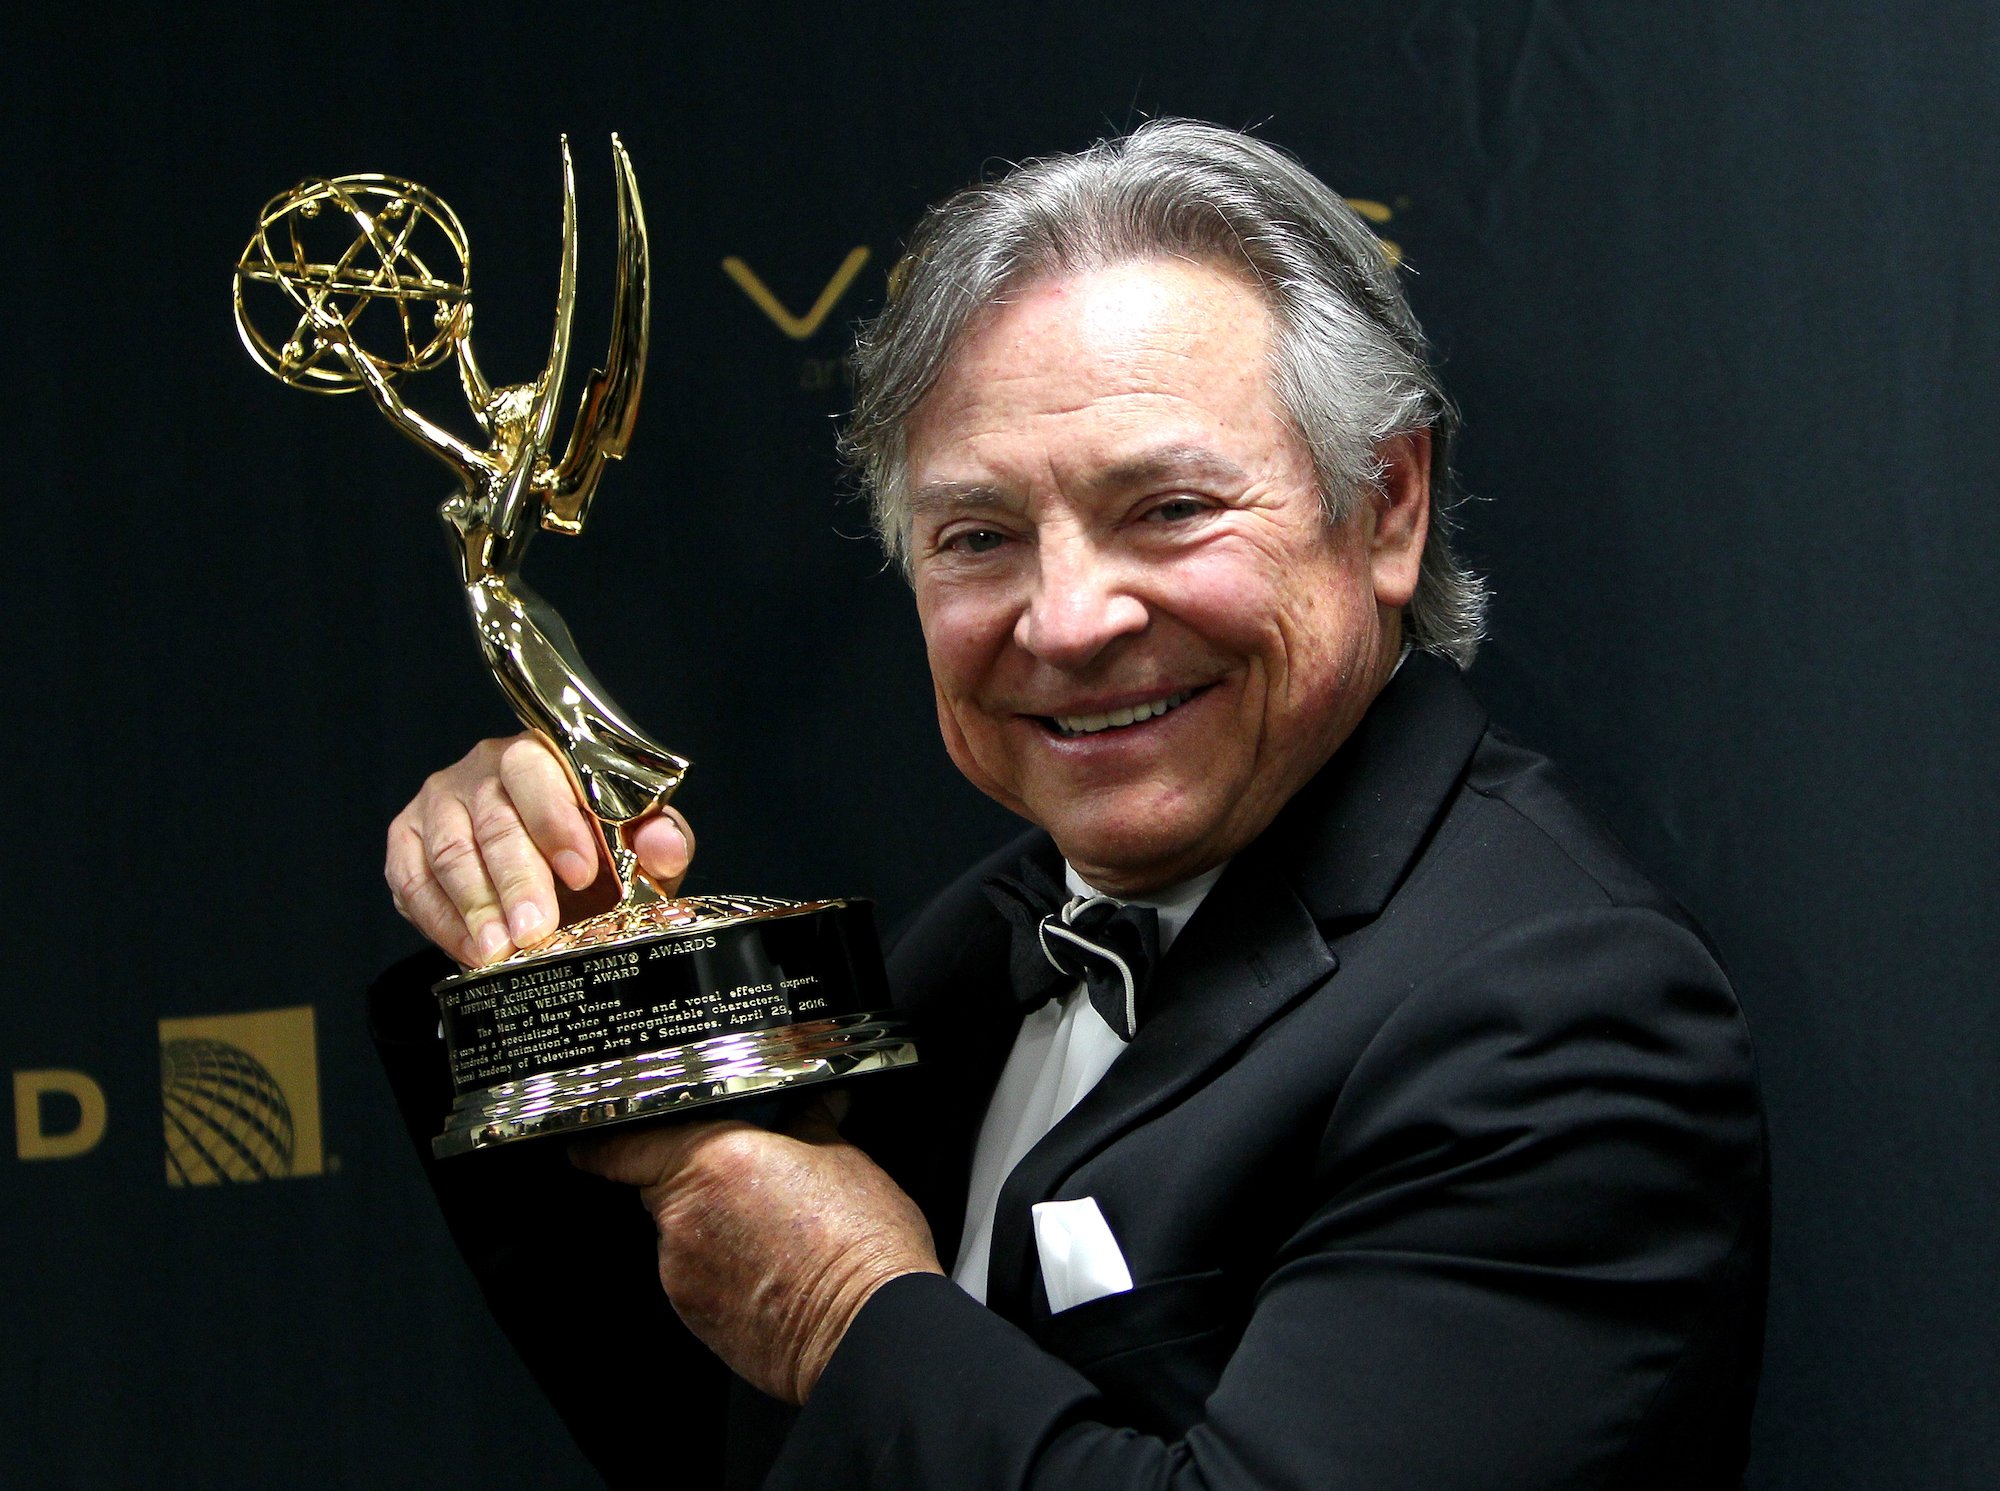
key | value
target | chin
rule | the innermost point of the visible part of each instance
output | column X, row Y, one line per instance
column 1130, row 828
column 1113, row 861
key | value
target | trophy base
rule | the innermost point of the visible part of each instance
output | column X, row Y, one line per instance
column 657, row 1010
column 659, row 1083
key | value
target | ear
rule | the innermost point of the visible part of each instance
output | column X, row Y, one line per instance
column 1402, row 513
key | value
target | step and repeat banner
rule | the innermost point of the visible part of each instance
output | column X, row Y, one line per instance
column 1713, row 284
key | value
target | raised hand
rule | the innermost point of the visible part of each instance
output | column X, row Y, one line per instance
column 494, row 853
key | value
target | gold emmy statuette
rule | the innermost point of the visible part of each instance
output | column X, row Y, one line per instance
column 661, row 1003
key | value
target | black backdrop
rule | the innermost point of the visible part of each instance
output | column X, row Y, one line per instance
column 1713, row 282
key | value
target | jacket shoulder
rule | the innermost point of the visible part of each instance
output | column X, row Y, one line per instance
column 1516, row 840
column 1512, row 776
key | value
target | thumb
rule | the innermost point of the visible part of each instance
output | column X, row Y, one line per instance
column 665, row 846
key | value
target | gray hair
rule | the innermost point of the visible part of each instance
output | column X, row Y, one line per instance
column 1349, row 363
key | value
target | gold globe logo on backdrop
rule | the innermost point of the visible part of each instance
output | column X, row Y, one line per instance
column 239, row 1101
column 817, row 374
column 239, row 1097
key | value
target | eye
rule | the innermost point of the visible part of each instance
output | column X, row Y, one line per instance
column 1175, row 510
column 975, row 540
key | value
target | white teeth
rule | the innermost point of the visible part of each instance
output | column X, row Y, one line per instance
column 1090, row 724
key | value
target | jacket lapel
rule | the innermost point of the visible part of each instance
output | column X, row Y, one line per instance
column 1353, row 833
column 1248, row 952
column 949, row 974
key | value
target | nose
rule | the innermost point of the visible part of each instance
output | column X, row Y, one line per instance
column 1081, row 603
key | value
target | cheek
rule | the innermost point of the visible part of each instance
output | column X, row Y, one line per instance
column 1301, row 616
column 1332, row 638
column 961, row 638
column 1235, row 602
column 1226, row 597
column 966, row 632
column 962, row 661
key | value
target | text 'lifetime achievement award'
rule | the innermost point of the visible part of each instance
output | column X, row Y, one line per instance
column 661, row 1003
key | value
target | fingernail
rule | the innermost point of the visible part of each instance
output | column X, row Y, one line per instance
column 525, row 921
column 679, row 838
column 492, row 938
column 576, row 871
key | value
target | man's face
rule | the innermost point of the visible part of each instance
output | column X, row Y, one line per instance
column 1144, row 635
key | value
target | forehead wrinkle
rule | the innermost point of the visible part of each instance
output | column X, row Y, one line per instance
column 1167, row 463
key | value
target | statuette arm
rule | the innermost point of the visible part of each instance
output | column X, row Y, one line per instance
column 466, row 463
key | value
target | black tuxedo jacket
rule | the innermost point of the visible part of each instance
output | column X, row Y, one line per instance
column 1437, row 1163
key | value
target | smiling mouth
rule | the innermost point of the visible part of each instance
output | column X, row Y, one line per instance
column 1071, row 725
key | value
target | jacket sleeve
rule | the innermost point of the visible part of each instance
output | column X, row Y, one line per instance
column 567, row 1264
column 1532, row 1257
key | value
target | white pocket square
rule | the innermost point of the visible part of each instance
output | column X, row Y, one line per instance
column 1081, row 1260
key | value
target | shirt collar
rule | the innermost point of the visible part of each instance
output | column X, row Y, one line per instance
column 1175, row 904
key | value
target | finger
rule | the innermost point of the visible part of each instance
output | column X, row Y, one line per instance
column 665, row 846
column 418, row 898
column 514, row 865
column 453, row 855
column 542, row 795
column 818, row 1121
column 649, row 1157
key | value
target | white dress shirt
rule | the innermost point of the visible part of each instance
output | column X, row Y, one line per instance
column 1063, row 1049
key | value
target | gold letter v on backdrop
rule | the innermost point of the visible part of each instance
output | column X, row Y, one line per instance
column 798, row 328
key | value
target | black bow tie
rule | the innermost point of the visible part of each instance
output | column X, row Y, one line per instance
column 1059, row 939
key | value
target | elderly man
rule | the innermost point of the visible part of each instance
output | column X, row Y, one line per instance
column 1384, row 1125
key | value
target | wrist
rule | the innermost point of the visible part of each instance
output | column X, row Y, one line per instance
column 837, row 1320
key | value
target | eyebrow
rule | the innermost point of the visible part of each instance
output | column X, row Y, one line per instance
column 1168, row 462
column 953, row 496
